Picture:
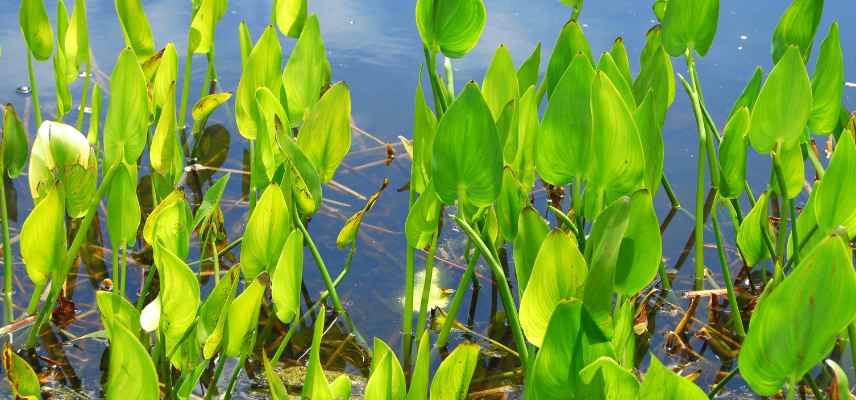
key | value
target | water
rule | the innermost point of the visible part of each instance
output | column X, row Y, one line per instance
column 374, row 46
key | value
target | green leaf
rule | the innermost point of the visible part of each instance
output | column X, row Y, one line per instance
column 527, row 75
column 512, row 198
column 553, row 375
column 419, row 377
column 784, row 105
column 265, row 234
column 656, row 75
column 204, row 25
column 690, row 24
column 608, row 66
column 732, row 154
column 619, row 382
column 387, row 378
column 36, row 28
column 179, row 300
column 519, row 151
column 76, row 43
column 797, row 27
column 641, row 248
column 277, row 388
column 275, row 124
column 325, row 136
column 340, row 388
column 750, row 235
column 622, row 60
column 784, row 344
column 423, row 218
column 452, row 378
column 604, row 250
column 287, row 277
column 205, row 106
column 23, row 381
column 131, row 373
column 531, row 232
column 558, row 273
column 424, row 131
column 43, row 237
column 827, row 84
column 661, row 383
column 618, row 161
column 793, row 168
column 116, row 310
column 211, row 200
column 61, row 81
column 307, row 71
column 123, row 207
column 451, row 26
column 61, row 154
column 750, row 92
column 500, row 81
column 306, row 185
column 92, row 132
column 569, row 44
column 467, row 159
column 260, row 69
column 563, row 143
column 167, row 73
column 135, row 26
column 15, row 142
column 162, row 148
column 834, row 204
column 214, row 311
column 315, row 385
column 242, row 320
column 169, row 224
column 348, row 233
column 651, row 136
column 126, row 127
column 290, row 15
column 245, row 40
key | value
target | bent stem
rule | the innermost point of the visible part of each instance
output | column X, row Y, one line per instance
column 443, row 335
column 84, row 96
column 726, row 273
column 504, row 291
column 70, row 258
column 670, row 192
column 328, row 282
column 34, row 92
column 436, row 87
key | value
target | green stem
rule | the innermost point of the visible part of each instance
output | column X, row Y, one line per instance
column 34, row 298
column 664, row 277
column 783, row 191
column 670, row 192
column 790, row 388
column 185, row 85
column 124, row 268
column 721, row 384
column 328, row 282
column 8, row 266
column 84, row 97
column 851, row 334
column 436, row 88
column 443, row 335
column 564, row 219
column 818, row 167
column 407, row 315
column 150, row 277
column 504, row 292
column 234, row 378
column 700, row 167
column 215, row 256
column 34, row 91
column 210, row 75
column 726, row 273
column 218, row 370
column 426, row 286
column 70, row 258
column 450, row 75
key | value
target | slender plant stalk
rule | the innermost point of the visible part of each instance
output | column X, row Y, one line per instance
column 87, row 80
column 670, row 192
column 331, row 288
column 439, row 98
column 210, row 75
column 215, row 257
column 34, row 298
column 780, row 177
column 815, row 162
column 726, row 273
column 564, row 219
column 721, row 384
column 851, row 334
column 124, row 268
column 234, row 378
column 117, row 273
column 185, row 85
column 426, row 286
column 450, row 75
column 70, row 258
column 150, row 277
column 664, row 277
column 790, row 388
column 407, row 315
column 218, row 370
column 504, row 292
column 34, row 91
column 700, row 169
column 443, row 335
column 8, row 266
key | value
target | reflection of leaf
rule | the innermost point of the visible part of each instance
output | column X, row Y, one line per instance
column 211, row 150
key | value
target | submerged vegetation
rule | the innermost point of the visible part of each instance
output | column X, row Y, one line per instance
column 573, row 287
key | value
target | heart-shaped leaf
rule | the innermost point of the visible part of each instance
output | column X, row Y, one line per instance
column 325, row 136
column 690, row 24
column 43, row 237
column 797, row 26
column 450, row 26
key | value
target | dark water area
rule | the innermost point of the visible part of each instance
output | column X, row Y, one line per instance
column 373, row 45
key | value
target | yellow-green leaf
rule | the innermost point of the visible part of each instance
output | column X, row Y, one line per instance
column 36, row 28
column 43, row 237
column 307, row 71
column 290, row 16
column 451, row 26
column 135, row 26
column 286, row 278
